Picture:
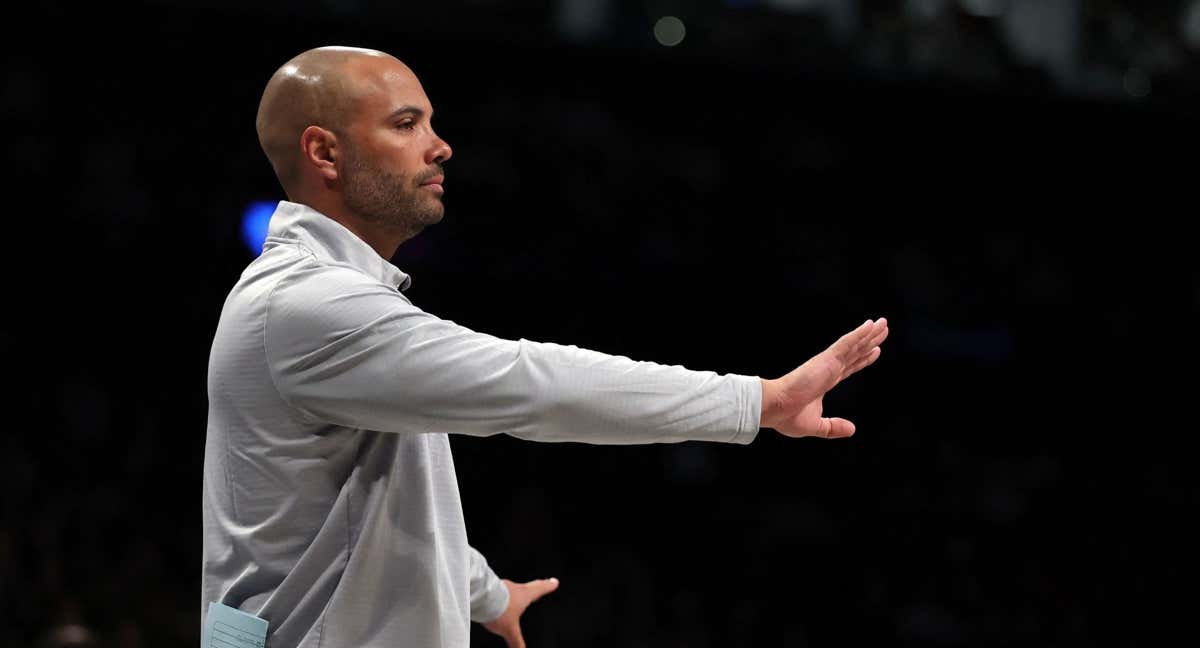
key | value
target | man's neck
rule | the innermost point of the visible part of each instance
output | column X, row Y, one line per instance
column 384, row 239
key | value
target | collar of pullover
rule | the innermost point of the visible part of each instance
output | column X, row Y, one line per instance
column 330, row 240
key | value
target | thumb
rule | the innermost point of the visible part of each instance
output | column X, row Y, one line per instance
column 835, row 428
column 516, row 640
column 540, row 588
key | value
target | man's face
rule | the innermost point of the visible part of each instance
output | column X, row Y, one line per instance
column 391, row 171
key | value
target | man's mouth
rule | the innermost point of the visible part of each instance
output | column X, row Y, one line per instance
column 435, row 183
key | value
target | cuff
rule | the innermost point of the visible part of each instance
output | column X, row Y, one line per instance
column 749, row 404
column 489, row 604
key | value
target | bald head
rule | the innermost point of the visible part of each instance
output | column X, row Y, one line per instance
column 316, row 88
column 349, row 132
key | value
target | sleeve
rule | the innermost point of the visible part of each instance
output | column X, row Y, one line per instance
column 347, row 350
column 489, row 596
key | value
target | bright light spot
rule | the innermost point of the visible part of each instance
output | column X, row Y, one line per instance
column 254, row 224
column 669, row 31
column 1137, row 84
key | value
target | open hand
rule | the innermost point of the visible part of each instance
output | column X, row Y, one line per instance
column 792, row 404
column 520, row 595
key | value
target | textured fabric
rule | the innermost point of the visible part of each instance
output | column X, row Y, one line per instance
column 330, row 502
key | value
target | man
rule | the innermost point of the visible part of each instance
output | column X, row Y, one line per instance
column 331, row 506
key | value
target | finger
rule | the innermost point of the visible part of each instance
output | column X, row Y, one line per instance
column 516, row 640
column 835, row 428
column 539, row 588
column 880, row 334
column 868, row 347
column 864, row 361
column 846, row 345
column 877, row 334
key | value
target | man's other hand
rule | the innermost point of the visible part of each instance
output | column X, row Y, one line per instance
column 520, row 595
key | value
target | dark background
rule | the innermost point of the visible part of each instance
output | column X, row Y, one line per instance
column 1010, row 182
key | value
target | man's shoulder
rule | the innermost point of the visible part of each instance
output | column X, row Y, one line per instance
column 295, row 271
column 324, row 290
column 315, row 279
column 295, row 278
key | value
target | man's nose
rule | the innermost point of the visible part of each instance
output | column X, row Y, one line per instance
column 439, row 152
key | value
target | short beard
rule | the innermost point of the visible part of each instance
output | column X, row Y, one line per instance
column 394, row 201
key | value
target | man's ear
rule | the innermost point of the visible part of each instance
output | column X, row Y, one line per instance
column 319, row 147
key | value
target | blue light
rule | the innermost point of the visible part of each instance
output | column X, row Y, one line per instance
column 254, row 224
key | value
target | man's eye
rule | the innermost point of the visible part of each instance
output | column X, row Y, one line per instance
column 407, row 125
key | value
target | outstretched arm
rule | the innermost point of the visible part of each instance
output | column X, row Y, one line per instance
column 792, row 405
column 348, row 350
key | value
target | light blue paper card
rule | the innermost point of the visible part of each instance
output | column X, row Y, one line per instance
column 227, row 627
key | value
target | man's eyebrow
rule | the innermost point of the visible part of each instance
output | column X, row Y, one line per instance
column 407, row 110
